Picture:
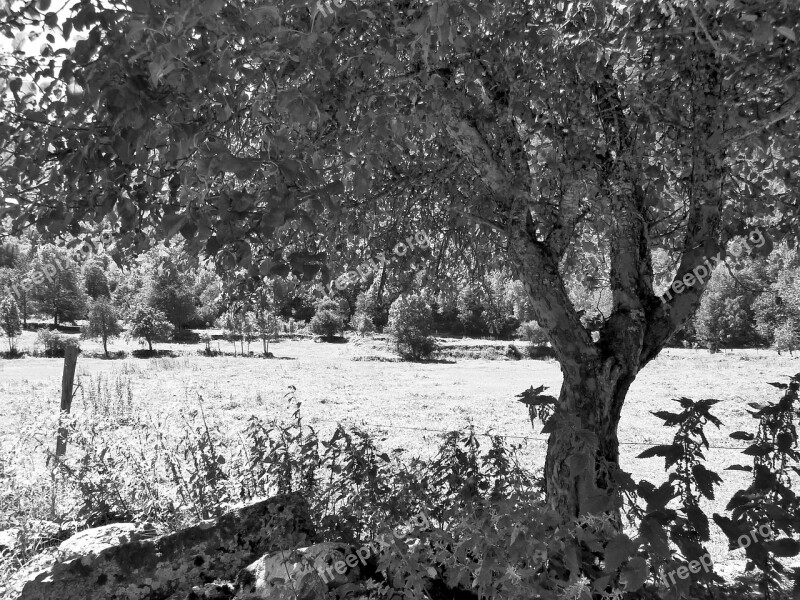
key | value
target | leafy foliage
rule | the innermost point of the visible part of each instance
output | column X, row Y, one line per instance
column 410, row 326
column 95, row 282
column 769, row 500
column 103, row 322
column 326, row 323
column 10, row 322
column 150, row 324
column 56, row 285
column 54, row 344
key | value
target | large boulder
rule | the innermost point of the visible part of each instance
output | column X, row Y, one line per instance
column 301, row 574
column 157, row 568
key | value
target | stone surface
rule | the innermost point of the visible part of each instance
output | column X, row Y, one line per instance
column 212, row 591
column 298, row 574
column 94, row 541
column 157, row 568
column 9, row 540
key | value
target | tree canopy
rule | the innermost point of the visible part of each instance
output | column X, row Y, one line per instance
column 627, row 141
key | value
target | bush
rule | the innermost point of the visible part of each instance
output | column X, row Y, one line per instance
column 362, row 324
column 410, row 326
column 513, row 352
column 151, row 325
column 53, row 344
column 326, row 323
column 532, row 332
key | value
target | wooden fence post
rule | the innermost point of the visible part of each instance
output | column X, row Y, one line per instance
column 67, row 381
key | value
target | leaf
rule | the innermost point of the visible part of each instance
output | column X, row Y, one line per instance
column 634, row 574
column 742, row 435
column 785, row 441
column 739, row 468
column 699, row 521
column 172, row 223
column 784, row 547
column 705, row 480
column 762, row 33
column 662, row 450
column 787, row 32
column 618, row 550
column 758, row 450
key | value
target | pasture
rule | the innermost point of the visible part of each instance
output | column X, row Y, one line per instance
column 403, row 405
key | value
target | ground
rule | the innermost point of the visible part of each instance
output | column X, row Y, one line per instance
column 405, row 404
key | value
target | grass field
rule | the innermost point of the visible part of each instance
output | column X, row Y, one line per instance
column 404, row 404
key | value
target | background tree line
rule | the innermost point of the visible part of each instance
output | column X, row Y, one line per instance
column 752, row 301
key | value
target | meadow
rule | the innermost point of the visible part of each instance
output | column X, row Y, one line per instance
column 404, row 406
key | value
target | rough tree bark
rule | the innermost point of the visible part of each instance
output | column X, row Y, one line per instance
column 583, row 448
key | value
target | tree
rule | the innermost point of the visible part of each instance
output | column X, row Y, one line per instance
column 95, row 282
column 168, row 287
column 15, row 262
column 103, row 322
column 56, row 288
column 501, row 303
column 151, row 325
column 410, row 326
column 231, row 324
column 267, row 326
column 726, row 318
column 9, row 321
column 581, row 137
column 778, row 307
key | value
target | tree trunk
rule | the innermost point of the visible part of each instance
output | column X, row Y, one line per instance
column 583, row 449
column 150, row 345
column 105, row 345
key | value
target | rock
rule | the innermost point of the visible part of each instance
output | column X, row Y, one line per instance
column 9, row 540
column 298, row 574
column 157, row 568
column 212, row 591
column 94, row 541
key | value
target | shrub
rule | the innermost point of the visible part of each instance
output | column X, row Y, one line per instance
column 326, row 323
column 150, row 324
column 9, row 322
column 513, row 352
column 410, row 326
column 103, row 323
column 53, row 344
column 362, row 323
column 532, row 332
